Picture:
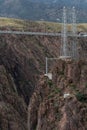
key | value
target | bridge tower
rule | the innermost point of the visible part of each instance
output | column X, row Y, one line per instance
column 74, row 33
column 69, row 50
column 64, row 46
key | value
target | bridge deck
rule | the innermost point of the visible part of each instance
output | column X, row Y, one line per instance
column 39, row 33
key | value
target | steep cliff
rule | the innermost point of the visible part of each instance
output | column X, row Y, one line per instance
column 60, row 104
column 22, row 61
column 24, row 58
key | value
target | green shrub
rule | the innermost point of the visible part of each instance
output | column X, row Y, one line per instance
column 58, row 116
column 50, row 96
column 57, row 90
column 50, row 83
column 73, row 86
column 61, row 72
column 81, row 97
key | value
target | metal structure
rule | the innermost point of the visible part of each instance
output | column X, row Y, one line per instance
column 69, row 50
column 63, row 49
column 47, row 60
column 42, row 33
column 74, row 33
column 46, row 65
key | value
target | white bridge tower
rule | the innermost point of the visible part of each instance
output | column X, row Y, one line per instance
column 69, row 50
column 74, row 33
column 63, row 49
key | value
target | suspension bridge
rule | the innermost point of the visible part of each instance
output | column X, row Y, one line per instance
column 67, row 50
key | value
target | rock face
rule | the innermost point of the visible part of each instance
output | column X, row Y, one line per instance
column 13, row 110
column 49, row 110
column 22, row 60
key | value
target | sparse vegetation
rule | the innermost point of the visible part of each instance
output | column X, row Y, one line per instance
column 61, row 72
column 58, row 116
column 81, row 97
column 51, row 95
column 73, row 86
column 50, row 83
column 57, row 90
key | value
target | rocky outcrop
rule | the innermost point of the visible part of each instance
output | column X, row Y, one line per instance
column 50, row 110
